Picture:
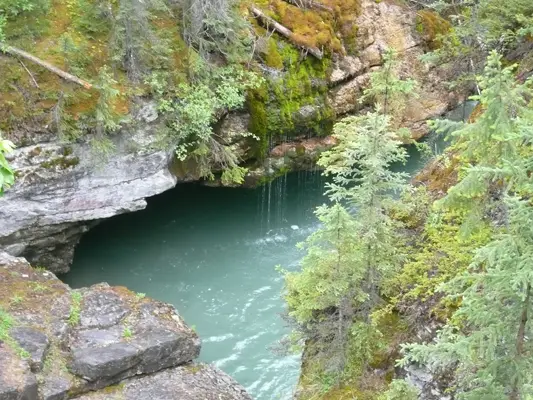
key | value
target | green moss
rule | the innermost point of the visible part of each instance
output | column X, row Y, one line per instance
column 194, row 368
column 273, row 58
column 6, row 323
column 275, row 107
column 63, row 162
column 257, row 100
column 431, row 25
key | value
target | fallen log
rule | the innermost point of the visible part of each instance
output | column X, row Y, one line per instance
column 65, row 75
column 285, row 32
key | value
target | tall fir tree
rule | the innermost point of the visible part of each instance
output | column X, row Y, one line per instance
column 332, row 298
column 489, row 142
column 486, row 343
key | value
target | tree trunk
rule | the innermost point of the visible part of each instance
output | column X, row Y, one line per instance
column 520, row 339
column 269, row 22
column 65, row 75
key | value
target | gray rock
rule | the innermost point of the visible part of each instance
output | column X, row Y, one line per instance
column 161, row 348
column 55, row 388
column 95, row 352
column 16, row 380
column 61, row 190
column 104, row 362
column 192, row 382
column 34, row 342
column 102, row 309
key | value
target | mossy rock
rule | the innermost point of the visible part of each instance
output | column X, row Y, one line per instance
column 431, row 25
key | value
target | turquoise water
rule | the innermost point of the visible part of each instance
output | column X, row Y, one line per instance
column 212, row 253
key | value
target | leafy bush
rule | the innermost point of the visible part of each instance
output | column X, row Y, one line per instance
column 7, row 177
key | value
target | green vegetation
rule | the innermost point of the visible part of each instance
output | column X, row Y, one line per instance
column 127, row 332
column 332, row 299
column 75, row 308
column 6, row 323
column 276, row 106
column 364, row 293
column 478, row 27
column 7, row 176
column 485, row 341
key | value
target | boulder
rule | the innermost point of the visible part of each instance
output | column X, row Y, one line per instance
column 16, row 380
column 189, row 382
column 64, row 343
column 34, row 342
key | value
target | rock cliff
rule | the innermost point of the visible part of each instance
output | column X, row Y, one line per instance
column 100, row 342
column 63, row 188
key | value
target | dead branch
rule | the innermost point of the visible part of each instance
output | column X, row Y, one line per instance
column 311, row 4
column 285, row 32
column 29, row 73
column 65, row 75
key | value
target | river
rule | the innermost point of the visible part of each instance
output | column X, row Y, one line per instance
column 212, row 252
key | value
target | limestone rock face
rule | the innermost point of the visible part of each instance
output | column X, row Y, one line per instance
column 385, row 25
column 61, row 190
column 63, row 343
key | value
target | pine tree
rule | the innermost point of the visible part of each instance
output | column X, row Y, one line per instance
column 486, row 342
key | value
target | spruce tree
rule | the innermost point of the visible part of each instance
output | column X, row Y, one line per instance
column 488, row 143
column 486, row 343
column 332, row 298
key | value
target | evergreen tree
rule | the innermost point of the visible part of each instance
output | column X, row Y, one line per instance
column 486, row 342
column 387, row 90
column 489, row 142
column 332, row 298
column 7, row 176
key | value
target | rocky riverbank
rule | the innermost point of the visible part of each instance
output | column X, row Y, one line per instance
column 100, row 342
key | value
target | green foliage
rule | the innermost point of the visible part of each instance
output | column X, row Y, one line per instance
column 217, row 26
column 16, row 299
column 490, row 142
column 387, row 90
column 12, row 8
column 478, row 28
column 6, row 323
column 486, row 342
column 106, row 116
column 275, row 108
column 7, row 176
column 442, row 255
column 332, row 298
column 135, row 44
column 400, row 390
column 127, row 332
column 193, row 109
column 75, row 308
